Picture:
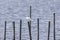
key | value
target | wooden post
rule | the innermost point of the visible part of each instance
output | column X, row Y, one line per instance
column 20, row 29
column 13, row 30
column 48, row 30
column 29, row 27
column 54, row 25
column 38, row 28
column 5, row 31
column 30, row 11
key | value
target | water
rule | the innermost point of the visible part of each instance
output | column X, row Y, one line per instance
column 14, row 10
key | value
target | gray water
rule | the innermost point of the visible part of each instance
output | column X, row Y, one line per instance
column 14, row 10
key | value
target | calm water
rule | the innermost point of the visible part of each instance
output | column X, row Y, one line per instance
column 14, row 10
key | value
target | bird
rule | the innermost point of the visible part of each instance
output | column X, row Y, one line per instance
column 28, row 19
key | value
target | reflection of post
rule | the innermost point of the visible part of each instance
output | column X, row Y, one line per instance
column 38, row 28
column 54, row 25
column 48, row 30
column 29, row 27
column 13, row 30
column 5, row 31
column 20, row 29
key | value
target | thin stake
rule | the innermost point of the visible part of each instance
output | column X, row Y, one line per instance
column 38, row 29
column 20, row 29
column 54, row 24
column 5, row 31
column 13, row 30
column 48, row 30
column 29, row 27
column 30, row 11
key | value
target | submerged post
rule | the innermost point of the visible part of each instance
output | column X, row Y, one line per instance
column 5, row 31
column 54, row 25
column 20, row 29
column 38, row 28
column 48, row 30
column 13, row 30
